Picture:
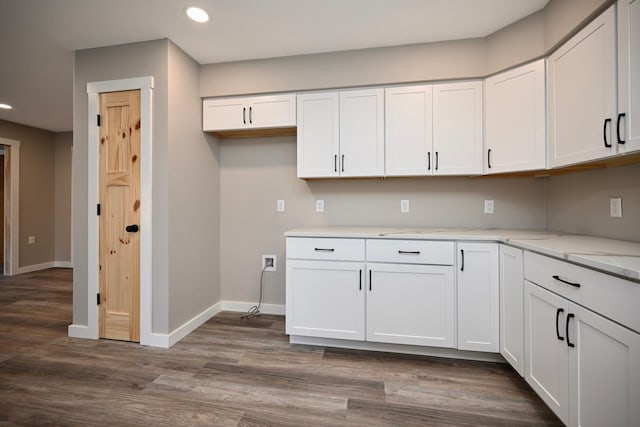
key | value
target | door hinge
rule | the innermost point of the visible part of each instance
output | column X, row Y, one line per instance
column 98, row 121
column 98, row 209
column 98, row 298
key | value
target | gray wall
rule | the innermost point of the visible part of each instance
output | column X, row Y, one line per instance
column 62, row 192
column 110, row 63
column 194, row 197
column 37, row 206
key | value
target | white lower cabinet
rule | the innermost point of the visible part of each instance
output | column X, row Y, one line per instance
column 325, row 299
column 512, row 307
column 585, row 367
column 411, row 304
column 478, row 297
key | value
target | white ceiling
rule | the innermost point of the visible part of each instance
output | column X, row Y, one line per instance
column 38, row 37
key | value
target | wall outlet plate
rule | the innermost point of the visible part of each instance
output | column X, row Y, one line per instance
column 280, row 206
column 488, row 206
column 404, row 206
column 319, row 205
column 32, row 240
column 269, row 262
column 615, row 207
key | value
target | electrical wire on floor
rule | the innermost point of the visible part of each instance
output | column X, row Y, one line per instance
column 255, row 310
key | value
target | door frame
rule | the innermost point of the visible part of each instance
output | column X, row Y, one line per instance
column 11, row 222
column 145, row 85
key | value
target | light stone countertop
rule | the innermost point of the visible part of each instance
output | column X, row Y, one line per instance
column 618, row 257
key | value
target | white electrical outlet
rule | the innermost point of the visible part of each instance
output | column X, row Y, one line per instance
column 32, row 240
column 488, row 206
column 615, row 207
column 319, row 205
column 269, row 262
column 404, row 206
column 280, row 206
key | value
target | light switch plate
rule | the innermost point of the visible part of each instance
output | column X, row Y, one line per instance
column 280, row 206
column 615, row 207
column 404, row 206
column 488, row 206
column 319, row 205
column 32, row 240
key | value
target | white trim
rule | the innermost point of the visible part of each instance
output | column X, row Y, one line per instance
column 241, row 306
column 35, row 267
column 145, row 84
column 62, row 264
column 79, row 331
column 12, row 249
column 398, row 348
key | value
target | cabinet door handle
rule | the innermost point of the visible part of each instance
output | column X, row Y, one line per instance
column 558, row 278
column 620, row 116
column 429, row 161
column 489, row 158
column 250, row 115
column 436, row 160
column 369, row 280
column 462, row 256
column 244, row 115
column 604, row 133
column 342, row 163
column 335, row 163
column 558, row 311
column 409, row 252
column 360, row 279
column 566, row 332
column 324, row 249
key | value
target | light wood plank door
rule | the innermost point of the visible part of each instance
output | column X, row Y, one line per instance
column 120, row 215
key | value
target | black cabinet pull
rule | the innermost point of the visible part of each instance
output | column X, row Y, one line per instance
column 369, row 280
column 489, row 158
column 335, row 163
column 342, row 163
column 133, row 228
column 250, row 115
column 566, row 332
column 324, row 249
column 604, row 133
column 620, row 116
column 436, row 160
column 429, row 161
column 244, row 115
column 409, row 252
column 360, row 279
column 575, row 285
column 560, row 310
column 462, row 255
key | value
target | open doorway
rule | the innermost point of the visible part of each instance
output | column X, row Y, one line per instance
column 10, row 204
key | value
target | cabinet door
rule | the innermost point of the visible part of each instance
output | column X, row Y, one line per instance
column 408, row 130
column 325, row 299
column 457, row 128
column 582, row 94
column 546, row 356
column 512, row 307
column 628, row 122
column 411, row 304
column 272, row 111
column 362, row 133
column 224, row 114
column 515, row 131
column 478, row 297
column 604, row 374
column 318, row 135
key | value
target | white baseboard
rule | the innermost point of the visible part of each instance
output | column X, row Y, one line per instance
column 241, row 306
column 63, row 264
column 192, row 325
column 44, row 266
column 81, row 331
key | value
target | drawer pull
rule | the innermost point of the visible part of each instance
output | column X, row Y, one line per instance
column 324, row 249
column 575, row 285
column 560, row 310
column 566, row 332
column 409, row 252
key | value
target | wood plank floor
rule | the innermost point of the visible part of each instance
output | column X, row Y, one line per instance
column 231, row 372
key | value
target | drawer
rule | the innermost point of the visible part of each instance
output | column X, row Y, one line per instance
column 612, row 297
column 325, row 248
column 410, row 251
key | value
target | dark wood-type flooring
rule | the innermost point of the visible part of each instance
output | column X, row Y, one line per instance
column 231, row 372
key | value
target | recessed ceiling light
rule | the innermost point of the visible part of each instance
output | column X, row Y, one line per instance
column 5, row 106
column 197, row 14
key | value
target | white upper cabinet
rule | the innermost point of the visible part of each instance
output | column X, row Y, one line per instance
column 256, row 112
column 582, row 95
column 341, row 134
column 409, row 130
column 457, row 128
column 515, row 131
column 628, row 120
